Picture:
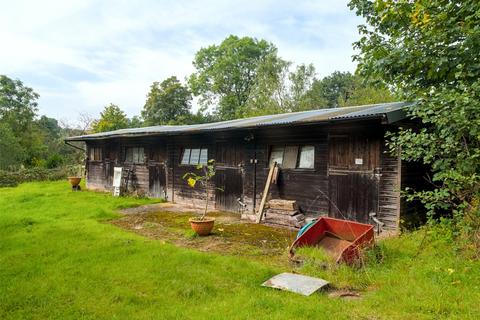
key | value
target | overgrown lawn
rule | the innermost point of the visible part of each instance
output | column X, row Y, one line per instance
column 59, row 260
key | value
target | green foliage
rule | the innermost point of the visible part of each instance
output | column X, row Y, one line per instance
column 58, row 261
column 168, row 102
column 112, row 118
column 135, row 122
column 18, row 105
column 226, row 73
column 343, row 89
column 429, row 50
column 11, row 153
column 54, row 161
column 13, row 178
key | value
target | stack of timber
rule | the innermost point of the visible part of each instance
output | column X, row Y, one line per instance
column 284, row 213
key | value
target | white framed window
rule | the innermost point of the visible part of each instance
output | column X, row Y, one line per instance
column 306, row 160
column 276, row 155
column 293, row 157
column 194, row 156
column 96, row 154
column 134, row 155
column 186, row 156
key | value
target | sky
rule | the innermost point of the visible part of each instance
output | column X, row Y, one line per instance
column 82, row 55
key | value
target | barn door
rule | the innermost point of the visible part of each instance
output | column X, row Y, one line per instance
column 109, row 165
column 353, row 177
column 157, row 180
column 353, row 196
column 228, row 177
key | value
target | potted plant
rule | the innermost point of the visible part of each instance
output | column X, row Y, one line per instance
column 202, row 224
column 75, row 177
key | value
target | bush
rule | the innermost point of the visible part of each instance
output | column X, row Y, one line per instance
column 13, row 178
column 54, row 161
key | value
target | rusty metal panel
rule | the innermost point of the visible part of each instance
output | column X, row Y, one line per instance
column 297, row 283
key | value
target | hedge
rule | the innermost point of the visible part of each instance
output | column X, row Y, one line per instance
column 13, row 178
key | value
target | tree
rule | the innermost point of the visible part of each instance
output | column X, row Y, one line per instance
column 429, row 50
column 18, row 104
column 168, row 102
column 112, row 118
column 343, row 89
column 135, row 122
column 12, row 153
column 269, row 91
column 226, row 73
column 18, row 107
column 368, row 94
column 302, row 80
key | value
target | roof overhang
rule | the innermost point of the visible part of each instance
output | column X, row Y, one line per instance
column 388, row 113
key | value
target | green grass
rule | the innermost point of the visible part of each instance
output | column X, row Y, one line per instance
column 58, row 259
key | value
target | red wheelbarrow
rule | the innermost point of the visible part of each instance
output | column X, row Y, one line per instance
column 342, row 239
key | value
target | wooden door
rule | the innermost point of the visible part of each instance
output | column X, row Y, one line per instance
column 229, row 183
column 157, row 180
column 353, row 196
column 228, row 177
column 353, row 176
column 108, row 172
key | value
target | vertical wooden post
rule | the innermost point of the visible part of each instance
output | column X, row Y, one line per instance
column 265, row 193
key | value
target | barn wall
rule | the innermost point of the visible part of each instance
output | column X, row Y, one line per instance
column 244, row 155
column 306, row 186
column 389, row 193
column 100, row 173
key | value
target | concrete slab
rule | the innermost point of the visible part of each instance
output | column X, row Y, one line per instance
column 297, row 283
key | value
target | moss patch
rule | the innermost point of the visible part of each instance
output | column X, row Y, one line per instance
column 230, row 235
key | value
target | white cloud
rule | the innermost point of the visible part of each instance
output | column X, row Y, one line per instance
column 81, row 55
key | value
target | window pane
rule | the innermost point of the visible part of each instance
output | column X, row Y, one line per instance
column 290, row 158
column 186, row 156
column 194, row 156
column 135, row 155
column 129, row 155
column 203, row 156
column 276, row 155
column 307, row 157
column 139, row 155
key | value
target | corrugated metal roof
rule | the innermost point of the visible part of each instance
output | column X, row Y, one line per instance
column 391, row 112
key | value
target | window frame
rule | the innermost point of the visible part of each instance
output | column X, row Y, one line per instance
column 125, row 157
column 93, row 151
column 201, row 150
column 299, row 148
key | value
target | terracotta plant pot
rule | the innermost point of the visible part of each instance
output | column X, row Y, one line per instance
column 202, row 227
column 74, row 181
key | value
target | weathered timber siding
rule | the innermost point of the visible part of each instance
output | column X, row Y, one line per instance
column 336, row 186
column 306, row 186
column 389, row 192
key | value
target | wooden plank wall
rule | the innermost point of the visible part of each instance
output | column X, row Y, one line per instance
column 309, row 187
column 389, row 191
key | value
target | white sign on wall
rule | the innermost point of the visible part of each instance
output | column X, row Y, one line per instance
column 358, row 161
column 117, row 180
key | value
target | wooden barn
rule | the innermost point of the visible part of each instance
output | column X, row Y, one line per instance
column 331, row 161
